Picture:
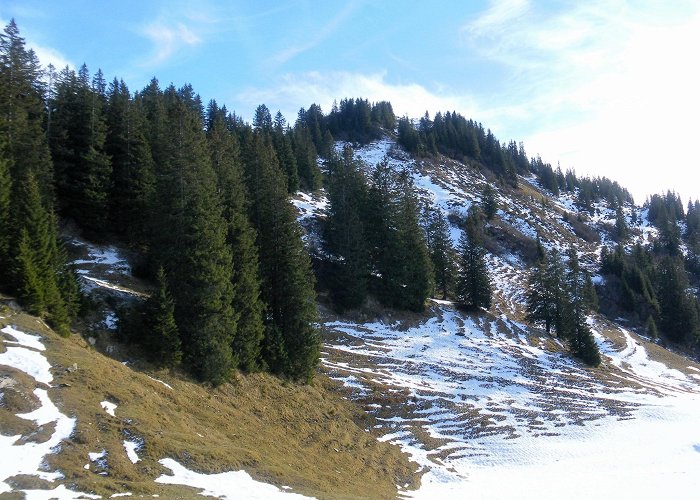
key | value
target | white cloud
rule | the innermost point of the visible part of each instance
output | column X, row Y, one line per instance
column 168, row 39
column 609, row 88
column 326, row 31
column 48, row 55
column 294, row 90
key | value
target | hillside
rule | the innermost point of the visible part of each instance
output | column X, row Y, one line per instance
column 477, row 398
column 74, row 420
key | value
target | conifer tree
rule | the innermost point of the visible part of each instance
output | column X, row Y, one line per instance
column 650, row 327
column 581, row 341
column 82, row 167
column 22, row 109
column 397, row 241
column 437, row 232
column 247, row 304
column 489, row 204
column 544, row 297
column 5, row 228
column 291, row 341
column 344, row 232
column 162, row 337
column 194, row 251
column 474, row 282
column 133, row 176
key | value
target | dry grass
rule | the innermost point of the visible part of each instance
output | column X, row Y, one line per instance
column 306, row 437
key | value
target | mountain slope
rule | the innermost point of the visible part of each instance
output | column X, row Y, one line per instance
column 300, row 437
column 478, row 398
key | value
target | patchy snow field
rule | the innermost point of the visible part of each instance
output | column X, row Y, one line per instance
column 491, row 413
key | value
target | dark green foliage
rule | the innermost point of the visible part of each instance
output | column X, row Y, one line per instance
column 577, row 306
column 544, row 297
column 678, row 310
column 225, row 157
column 489, row 204
column 292, row 343
column 194, row 250
column 650, row 328
column 474, row 282
column 621, row 227
column 397, row 243
column 344, row 232
column 437, row 235
column 161, row 334
column 5, row 219
column 133, row 176
column 453, row 135
column 22, row 110
column 306, row 159
column 77, row 139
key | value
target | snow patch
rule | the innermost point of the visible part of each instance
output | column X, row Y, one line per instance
column 109, row 407
column 226, row 485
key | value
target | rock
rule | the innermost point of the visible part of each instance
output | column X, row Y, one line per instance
column 72, row 368
column 92, row 341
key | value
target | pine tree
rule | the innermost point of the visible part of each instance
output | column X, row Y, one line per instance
column 83, row 169
column 162, row 337
column 133, row 176
column 437, row 232
column 397, row 242
column 291, row 341
column 474, row 282
column 5, row 216
column 193, row 250
column 679, row 316
column 22, row 108
column 489, row 204
column 344, row 232
column 247, row 304
column 545, row 302
column 650, row 327
column 581, row 341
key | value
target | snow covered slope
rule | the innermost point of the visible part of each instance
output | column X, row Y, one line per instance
column 491, row 408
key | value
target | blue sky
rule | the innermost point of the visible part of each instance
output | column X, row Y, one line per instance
column 608, row 87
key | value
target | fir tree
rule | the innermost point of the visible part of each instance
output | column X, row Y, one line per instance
column 133, row 176
column 581, row 341
column 162, row 337
column 83, row 169
column 437, row 232
column 344, row 232
column 474, row 282
column 650, row 327
column 247, row 304
column 194, row 251
column 5, row 217
column 291, row 341
column 22, row 108
column 489, row 204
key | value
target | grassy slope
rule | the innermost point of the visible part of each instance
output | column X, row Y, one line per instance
column 306, row 437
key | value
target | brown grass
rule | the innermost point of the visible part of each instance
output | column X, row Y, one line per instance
column 306, row 437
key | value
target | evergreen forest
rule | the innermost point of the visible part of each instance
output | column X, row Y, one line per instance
column 202, row 197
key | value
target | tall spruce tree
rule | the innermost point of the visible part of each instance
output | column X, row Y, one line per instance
column 162, row 338
column 344, row 231
column 291, row 340
column 5, row 215
column 474, row 282
column 133, row 176
column 22, row 108
column 193, row 250
column 247, row 304
column 77, row 140
column 581, row 341
column 397, row 242
column 437, row 231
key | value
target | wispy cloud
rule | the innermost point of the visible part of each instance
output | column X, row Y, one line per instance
column 605, row 87
column 168, row 39
column 323, row 88
column 324, row 33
